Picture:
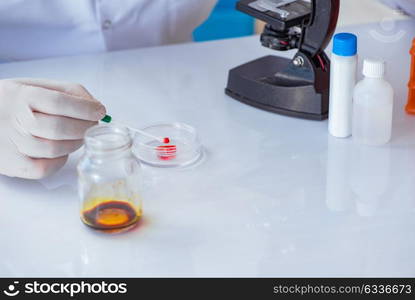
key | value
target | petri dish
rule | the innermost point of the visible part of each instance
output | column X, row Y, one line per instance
column 183, row 150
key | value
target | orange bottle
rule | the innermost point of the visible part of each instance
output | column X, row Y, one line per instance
column 410, row 107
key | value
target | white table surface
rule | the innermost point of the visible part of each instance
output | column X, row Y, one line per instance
column 274, row 196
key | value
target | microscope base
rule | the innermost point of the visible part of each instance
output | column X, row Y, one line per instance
column 269, row 84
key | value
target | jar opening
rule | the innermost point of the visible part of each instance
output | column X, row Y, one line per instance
column 107, row 138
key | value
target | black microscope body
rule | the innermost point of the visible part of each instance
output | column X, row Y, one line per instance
column 298, row 87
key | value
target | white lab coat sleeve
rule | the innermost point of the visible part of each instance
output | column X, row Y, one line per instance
column 46, row 28
column 185, row 16
column 406, row 6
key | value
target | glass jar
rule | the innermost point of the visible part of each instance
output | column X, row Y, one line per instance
column 110, row 180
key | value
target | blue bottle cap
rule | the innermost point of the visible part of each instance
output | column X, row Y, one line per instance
column 345, row 44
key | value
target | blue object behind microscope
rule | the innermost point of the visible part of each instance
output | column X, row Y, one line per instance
column 224, row 22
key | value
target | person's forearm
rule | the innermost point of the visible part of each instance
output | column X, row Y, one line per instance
column 406, row 6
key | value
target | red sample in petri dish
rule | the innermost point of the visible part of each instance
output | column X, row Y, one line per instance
column 166, row 152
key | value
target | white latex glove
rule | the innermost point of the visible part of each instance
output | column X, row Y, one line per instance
column 41, row 122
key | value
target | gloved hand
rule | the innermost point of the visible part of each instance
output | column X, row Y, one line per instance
column 41, row 122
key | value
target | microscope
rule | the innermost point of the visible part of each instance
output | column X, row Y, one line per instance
column 297, row 87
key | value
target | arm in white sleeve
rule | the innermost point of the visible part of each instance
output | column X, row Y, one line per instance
column 406, row 6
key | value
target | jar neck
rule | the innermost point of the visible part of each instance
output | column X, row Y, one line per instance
column 373, row 79
column 104, row 142
column 108, row 155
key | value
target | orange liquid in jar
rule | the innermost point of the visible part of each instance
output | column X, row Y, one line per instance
column 111, row 215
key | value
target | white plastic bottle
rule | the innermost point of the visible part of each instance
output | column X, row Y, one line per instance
column 373, row 106
column 342, row 82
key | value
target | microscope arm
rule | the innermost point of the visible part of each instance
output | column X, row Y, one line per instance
column 317, row 34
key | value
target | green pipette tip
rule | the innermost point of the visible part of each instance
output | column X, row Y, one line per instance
column 107, row 119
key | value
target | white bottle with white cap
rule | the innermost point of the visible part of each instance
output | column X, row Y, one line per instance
column 373, row 106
